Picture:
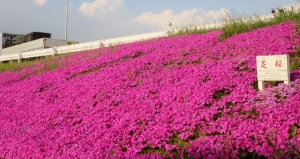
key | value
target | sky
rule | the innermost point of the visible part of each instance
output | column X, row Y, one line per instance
column 91, row 20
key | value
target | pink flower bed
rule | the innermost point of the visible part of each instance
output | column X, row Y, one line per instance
column 189, row 96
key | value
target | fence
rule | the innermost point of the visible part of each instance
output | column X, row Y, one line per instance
column 80, row 47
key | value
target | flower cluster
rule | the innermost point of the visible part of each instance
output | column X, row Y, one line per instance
column 174, row 96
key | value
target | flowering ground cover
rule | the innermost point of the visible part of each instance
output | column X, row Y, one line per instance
column 189, row 96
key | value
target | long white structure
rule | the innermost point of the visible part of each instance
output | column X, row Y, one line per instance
column 80, row 47
column 18, row 55
column 38, row 44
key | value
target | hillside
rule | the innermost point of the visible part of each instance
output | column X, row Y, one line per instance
column 189, row 96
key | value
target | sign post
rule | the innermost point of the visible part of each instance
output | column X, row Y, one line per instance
column 272, row 68
column 1, row 43
column 66, row 26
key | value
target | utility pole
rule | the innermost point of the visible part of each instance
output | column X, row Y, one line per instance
column 66, row 28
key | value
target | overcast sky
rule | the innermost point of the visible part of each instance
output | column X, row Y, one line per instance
column 91, row 20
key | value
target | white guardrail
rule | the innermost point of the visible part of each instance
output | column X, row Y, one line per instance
column 81, row 46
column 97, row 44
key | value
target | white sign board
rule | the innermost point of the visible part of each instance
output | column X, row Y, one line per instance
column 273, row 68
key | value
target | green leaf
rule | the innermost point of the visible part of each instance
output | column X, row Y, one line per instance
column 298, row 155
column 278, row 153
column 270, row 143
column 294, row 131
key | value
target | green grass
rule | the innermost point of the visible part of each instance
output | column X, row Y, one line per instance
column 238, row 23
column 235, row 24
column 295, row 60
column 15, row 66
column 9, row 66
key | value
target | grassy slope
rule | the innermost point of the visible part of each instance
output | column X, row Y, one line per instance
column 190, row 95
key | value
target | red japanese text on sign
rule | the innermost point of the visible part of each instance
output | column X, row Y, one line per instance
column 278, row 63
column 263, row 64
